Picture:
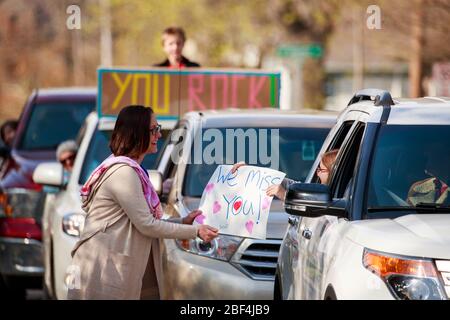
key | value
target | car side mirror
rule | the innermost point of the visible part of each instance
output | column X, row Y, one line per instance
column 313, row 200
column 156, row 180
column 49, row 174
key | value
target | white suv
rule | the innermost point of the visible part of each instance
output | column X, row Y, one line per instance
column 231, row 267
column 381, row 228
column 63, row 217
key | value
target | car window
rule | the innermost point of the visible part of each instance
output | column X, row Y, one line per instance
column 52, row 123
column 81, row 133
column 98, row 151
column 175, row 137
column 340, row 136
column 298, row 148
column 346, row 163
column 336, row 142
column 411, row 164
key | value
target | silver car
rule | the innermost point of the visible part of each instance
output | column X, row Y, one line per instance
column 231, row 267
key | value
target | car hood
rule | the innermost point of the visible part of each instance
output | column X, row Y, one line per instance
column 419, row 235
column 35, row 155
column 276, row 225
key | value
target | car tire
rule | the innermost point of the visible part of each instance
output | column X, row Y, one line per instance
column 330, row 294
column 49, row 293
column 46, row 293
column 277, row 294
column 11, row 292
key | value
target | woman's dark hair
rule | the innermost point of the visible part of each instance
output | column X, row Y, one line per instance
column 8, row 124
column 131, row 135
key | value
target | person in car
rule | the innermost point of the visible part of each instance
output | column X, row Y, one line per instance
column 435, row 189
column 118, row 255
column 323, row 172
column 66, row 153
column 7, row 134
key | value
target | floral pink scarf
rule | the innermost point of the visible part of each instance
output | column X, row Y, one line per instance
column 149, row 192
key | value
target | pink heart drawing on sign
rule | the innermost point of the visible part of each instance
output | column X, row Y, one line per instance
column 265, row 203
column 200, row 219
column 249, row 226
column 216, row 206
column 209, row 187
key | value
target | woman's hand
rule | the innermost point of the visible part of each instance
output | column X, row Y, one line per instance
column 189, row 219
column 276, row 190
column 207, row 233
column 237, row 166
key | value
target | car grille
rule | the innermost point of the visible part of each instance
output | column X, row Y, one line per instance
column 257, row 258
column 443, row 267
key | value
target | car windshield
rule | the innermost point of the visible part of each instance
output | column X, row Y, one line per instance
column 52, row 123
column 298, row 148
column 410, row 168
column 98, row 151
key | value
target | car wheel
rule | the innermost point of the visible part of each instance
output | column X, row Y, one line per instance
column 277, row 294
column 49, row 293
column 330, row 294
column 10, row 292
column 46, row 293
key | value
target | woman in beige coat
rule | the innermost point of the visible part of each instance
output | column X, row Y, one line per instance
column 118, row 256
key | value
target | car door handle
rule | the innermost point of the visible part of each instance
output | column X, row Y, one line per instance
column 293, row 221
column 307, row 234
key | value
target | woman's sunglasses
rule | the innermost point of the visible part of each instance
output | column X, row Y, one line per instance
column 155, row 130
column 319, row 169
column 71, row 158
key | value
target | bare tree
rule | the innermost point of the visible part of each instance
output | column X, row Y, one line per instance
column 417, row 43
column 313, row 22
column 106, row 46
column 419, row 35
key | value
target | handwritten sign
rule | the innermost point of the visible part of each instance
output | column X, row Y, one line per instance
column 172, row 92
column 237, row 203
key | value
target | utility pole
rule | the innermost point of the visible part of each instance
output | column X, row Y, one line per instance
column 77, row 57
column 106, row 56
column 417, row 43
column 358, row 48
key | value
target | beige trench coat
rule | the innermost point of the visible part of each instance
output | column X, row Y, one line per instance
column 118, row 255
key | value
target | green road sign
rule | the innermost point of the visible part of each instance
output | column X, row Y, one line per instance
column 300, row 51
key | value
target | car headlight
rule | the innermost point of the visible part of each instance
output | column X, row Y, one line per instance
column 73, row 224
column 408, row 279
column 22, row 203
column 222, row 248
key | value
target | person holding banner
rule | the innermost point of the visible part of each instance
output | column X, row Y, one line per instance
column 118, row 255
column 323, row 172
column 173, row 39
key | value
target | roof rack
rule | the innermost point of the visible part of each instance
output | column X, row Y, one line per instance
column 378, row 96
column 440, row 99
